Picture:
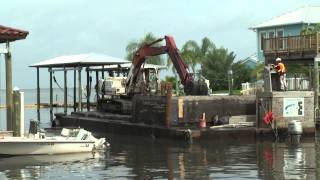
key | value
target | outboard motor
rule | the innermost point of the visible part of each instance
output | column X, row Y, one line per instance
column 33, row 128
column 295, row 131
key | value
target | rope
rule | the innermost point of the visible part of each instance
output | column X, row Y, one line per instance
column 55, row 81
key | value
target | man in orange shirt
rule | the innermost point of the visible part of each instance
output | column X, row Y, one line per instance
column 281, row 69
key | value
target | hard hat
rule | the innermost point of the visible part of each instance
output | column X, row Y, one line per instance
column 278, row 59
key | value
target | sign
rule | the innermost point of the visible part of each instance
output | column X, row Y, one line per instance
column 293, row 107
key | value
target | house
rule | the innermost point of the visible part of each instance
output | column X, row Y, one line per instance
column 251, row 61
column 288, row 24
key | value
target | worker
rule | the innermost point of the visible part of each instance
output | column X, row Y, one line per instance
column 281, row 69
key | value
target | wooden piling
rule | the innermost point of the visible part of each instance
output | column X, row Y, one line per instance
column 88, row 90
column 51, row 96
column 80, row 91
column 9, row 97
column 65, row 91
column 75, row 89
column 38, row 94
column 169, row 104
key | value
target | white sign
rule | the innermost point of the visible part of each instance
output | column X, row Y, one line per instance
column 293, row 107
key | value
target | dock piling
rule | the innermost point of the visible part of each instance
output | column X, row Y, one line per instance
column 38, row 95
column 51, row 96
column 9, row 87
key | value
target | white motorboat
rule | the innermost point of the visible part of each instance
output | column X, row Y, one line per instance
column 70, row 141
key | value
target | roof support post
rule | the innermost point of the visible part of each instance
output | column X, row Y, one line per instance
column 97, row 82
column 80, row 91
column 51, row 96
column 75, row 90
column 9, row 95
column 65, row 91
column 316, row 85
column 88, row 89
column 102, row 72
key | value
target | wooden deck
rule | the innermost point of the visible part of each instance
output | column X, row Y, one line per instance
column 292, row 49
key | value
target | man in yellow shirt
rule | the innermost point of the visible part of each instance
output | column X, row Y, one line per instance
column 281, row 69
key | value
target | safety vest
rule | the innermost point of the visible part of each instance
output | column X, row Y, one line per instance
column 281, row 68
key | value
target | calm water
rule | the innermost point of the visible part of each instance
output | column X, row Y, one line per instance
column 132, row 157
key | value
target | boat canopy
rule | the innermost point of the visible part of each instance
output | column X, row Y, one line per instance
column 80, row 60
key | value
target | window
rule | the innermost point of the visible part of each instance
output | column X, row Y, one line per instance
column 280, row 40
column 263, row 35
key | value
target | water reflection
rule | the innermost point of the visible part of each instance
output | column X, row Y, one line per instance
column 35, row 166
column 143, row 158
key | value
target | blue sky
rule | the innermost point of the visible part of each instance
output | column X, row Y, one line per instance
column 60, row 27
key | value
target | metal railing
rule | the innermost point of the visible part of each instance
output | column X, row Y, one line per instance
column 302, row 43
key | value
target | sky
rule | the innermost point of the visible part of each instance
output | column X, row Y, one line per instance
column 60, row 27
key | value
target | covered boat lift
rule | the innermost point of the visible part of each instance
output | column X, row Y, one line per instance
column 73, row 63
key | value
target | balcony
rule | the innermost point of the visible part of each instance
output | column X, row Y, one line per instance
column 292, row 49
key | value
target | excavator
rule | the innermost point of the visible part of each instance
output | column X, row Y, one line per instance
column 122, row 104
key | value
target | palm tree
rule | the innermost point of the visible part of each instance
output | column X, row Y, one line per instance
column 194, row 54
column 133, row 46
column 216, row 66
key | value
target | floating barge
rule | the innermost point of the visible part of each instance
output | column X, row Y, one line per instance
column 149, row 121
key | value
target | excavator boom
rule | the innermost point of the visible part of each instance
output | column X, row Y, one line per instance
column 190, row 86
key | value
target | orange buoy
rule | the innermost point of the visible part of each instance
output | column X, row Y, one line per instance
column 202, row 121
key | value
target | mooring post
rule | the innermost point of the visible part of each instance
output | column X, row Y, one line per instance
column 80, row 90
column 169, row 104
column 9, row 87
column 18, row 112
column 74, row 90
column 65, row 91
column 51, row 96
column 38, row 94
column 88, row 90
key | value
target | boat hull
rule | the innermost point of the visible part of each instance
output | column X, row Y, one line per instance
column 45, row 147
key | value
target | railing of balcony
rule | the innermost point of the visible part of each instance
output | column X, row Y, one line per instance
column 310, row 43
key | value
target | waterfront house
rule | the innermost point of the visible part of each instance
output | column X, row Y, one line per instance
column 287, row 24
column 251, row 61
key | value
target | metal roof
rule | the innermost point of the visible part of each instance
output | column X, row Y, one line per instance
column 11, row 34
column 307, row 14
column 80, row 60
column 127, row 66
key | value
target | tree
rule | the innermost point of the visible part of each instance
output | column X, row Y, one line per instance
column 133, row 46
column 241, row 74
column 310, row 29
column 194, row 54
column 215, row 67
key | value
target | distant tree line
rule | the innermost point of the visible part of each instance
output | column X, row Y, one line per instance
column 204, row 59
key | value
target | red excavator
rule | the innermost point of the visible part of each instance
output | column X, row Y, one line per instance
column 121, row 103
column 191, row 87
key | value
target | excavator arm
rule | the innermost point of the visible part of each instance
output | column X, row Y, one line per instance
column 148, row 50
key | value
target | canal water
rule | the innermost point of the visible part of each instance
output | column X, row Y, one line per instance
column 132, row 157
